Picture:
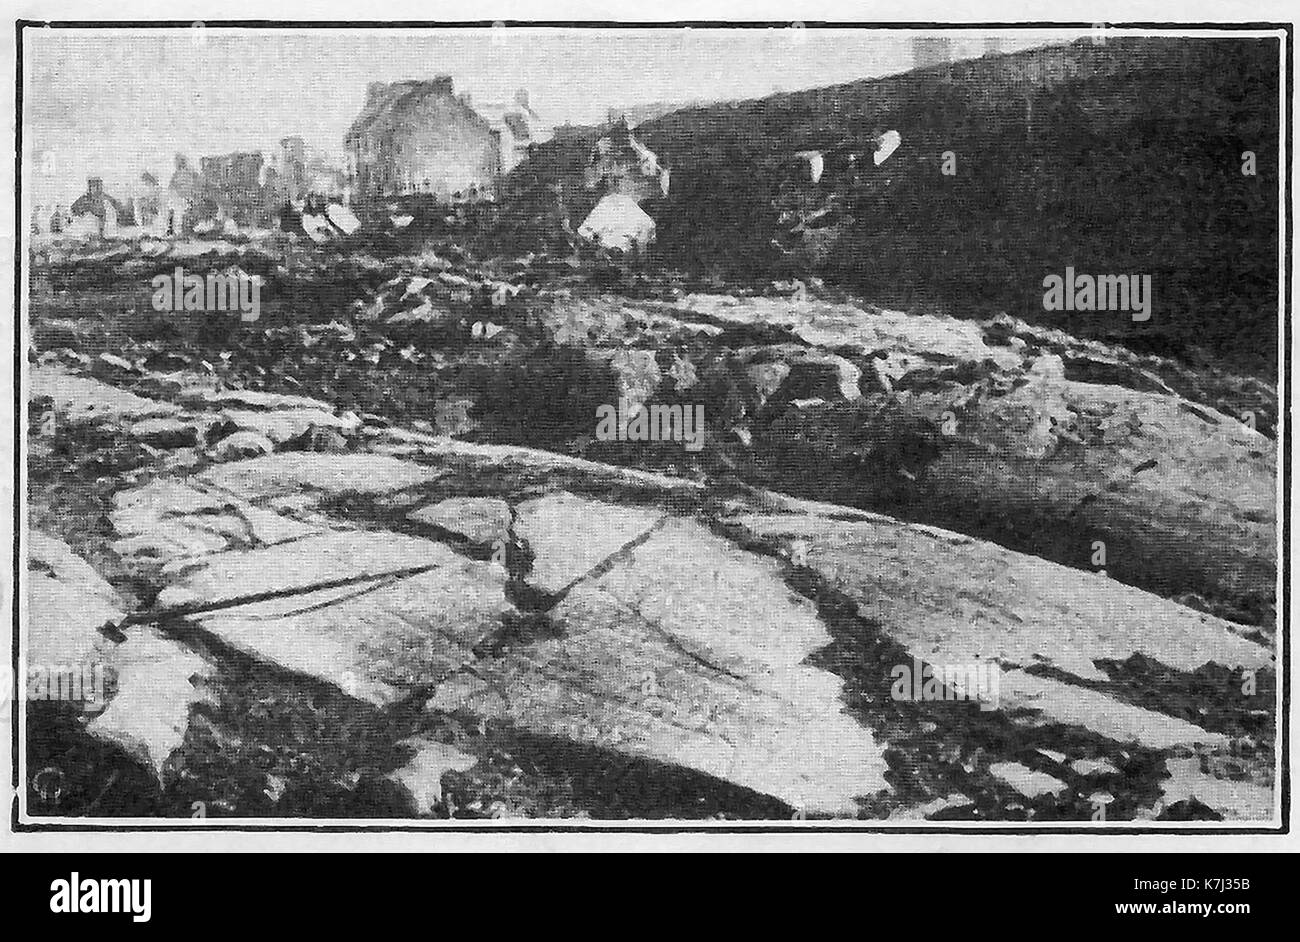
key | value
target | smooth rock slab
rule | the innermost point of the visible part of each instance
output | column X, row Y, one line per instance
column 1055, row 702
column 82, row 398
column 168, row 521
column 571, row 535
column 524, row 466
column 291, row 472
column 67, row 603
column 375, row 639
column 952, row 599
column 689, row 651
column 1182, row 496
column 478, row 519
column 51, row 555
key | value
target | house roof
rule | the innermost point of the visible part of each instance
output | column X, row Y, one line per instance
column 95, row 205
column 386, row 105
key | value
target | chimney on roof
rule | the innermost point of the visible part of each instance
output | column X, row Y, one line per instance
column 443, row 85
column 521, row 98
column 95, row 186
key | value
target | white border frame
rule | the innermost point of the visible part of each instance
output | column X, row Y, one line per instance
column 651, row 835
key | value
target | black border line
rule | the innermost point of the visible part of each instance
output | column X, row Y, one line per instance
column 755, row 828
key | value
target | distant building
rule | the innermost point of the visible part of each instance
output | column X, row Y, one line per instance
column 930, row 51
column 325, row 180
column 417, row 137
column 517, row 125
column 95, row 212
column 234, row 182
column 184, row 202
column 291, row 167
column 992, row 45
column 148, row 203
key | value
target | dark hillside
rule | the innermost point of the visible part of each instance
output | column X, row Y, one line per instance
column 1122, row 158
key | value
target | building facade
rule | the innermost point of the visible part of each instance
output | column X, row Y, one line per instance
column 418, row 137
column 234, row 182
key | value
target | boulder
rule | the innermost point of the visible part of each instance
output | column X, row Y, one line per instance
column 246, row 444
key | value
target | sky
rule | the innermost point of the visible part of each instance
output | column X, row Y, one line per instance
column 115, row 102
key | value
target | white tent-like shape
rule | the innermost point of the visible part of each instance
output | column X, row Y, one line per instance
column 342, row 218
column 618, row 222
column 886, row 144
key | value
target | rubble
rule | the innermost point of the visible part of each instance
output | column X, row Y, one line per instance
column 636, row 376
column 1029, row 783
